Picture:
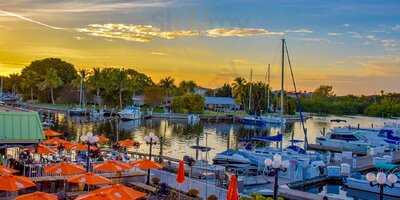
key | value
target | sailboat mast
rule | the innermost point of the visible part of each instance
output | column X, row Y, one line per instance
column 282, row 75
column 1, row 87
column 81, row 93
column 251, row 80
column 268, row 82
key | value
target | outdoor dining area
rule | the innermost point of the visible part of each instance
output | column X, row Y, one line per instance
column 61, row 169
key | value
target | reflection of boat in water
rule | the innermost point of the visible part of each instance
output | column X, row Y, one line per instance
column 129, row 125
column 78, row 111
column 193, row 119
column 130, row 113
column 338, row 120
column 262, row 120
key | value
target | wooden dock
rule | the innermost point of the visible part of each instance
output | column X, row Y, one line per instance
column 288, row 193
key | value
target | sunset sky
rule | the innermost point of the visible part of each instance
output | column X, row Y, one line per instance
column 352, row 45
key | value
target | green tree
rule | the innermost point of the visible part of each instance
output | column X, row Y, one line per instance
column 29, row 82
column 168, row 84
column 188, row 103
column 14, row 79
column 96, row 82
column 238, row 90
column 324, row 91
column 187, row 86
column 51, row 81
column 224, row 91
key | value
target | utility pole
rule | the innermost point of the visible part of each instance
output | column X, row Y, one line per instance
column 267, row 88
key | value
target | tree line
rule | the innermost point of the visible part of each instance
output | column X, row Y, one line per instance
column 53, row 80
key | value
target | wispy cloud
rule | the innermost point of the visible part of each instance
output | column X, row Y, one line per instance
column 302, row 30
column 241, row 32
column 131, row 32
column 334, row 34
column 157, row 53
column 5, row 13
column 396, row 27
column 84, row 6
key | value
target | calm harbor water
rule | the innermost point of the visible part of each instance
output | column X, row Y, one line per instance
column 179, row 136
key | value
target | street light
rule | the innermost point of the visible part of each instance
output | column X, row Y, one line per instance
column 381, row 180
column 89, row 139
column 150, row 140
column 277, row 165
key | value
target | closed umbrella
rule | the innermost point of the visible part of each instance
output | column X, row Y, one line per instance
column 128, row 143
column 232, row 193
column 37, row 196
column 180, row 176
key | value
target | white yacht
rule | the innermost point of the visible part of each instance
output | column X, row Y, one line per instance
column 130, row 113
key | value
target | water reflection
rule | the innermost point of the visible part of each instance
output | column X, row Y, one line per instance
column 179, row 136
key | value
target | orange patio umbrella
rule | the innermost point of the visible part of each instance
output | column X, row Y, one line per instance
column 128, row 143
column 44, row 150
column 13, row 183
column 180, row 176
column 84, row 147
column 64, row 168
column 55, row 141
column 114, row 192
column 103, row 139
column 51, row 133
column 146, row 164
column 6, row 170
column 37, row 196
column 232, row 193
column 112, row 166
column 69, row 146
column 89, row 179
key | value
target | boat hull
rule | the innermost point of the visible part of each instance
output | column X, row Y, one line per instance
column 365, row 186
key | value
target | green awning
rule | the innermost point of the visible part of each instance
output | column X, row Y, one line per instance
column 20, row 128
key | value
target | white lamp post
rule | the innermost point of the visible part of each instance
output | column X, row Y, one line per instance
column 381, row 180
column 150, row 140
column 89, row 139
column 276, row 164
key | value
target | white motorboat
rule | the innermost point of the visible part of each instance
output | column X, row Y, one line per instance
column 364, row 185
column 130, row 113
column 78, row 111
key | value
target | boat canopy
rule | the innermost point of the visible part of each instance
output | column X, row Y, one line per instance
column 20, row 129
column 386, row 166
column 275, row 138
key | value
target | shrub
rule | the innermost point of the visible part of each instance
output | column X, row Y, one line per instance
column 212, row 197
column 193, row 192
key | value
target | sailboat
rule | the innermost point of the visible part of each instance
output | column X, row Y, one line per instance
column 81, row 110
column 268, row 119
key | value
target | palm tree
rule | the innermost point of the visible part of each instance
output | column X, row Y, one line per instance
column 239, row 89
column 96, row 82
column 168, row 84
column 29, row 80
column 122, row 80
column 14, row 79
column 51, row 81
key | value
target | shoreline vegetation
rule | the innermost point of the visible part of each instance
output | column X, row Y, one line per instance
column 55, row 83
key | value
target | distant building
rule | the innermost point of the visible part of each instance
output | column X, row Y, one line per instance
column 221, row 104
